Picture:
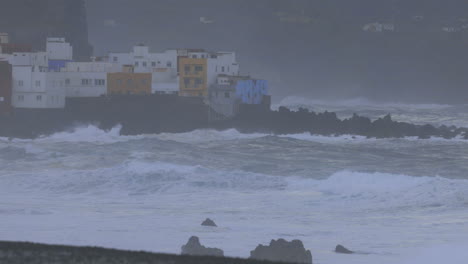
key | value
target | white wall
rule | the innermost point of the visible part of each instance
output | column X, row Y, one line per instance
column 224, row 63
column 4, row 38
column 29, row 58
column 58, row 49
column 165, row 81
column 37, row 89
column 85, row 84
column 91, row 67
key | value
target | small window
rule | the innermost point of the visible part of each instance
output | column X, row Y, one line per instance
column 198, row 68
column 38, row 83
column 39, row 98
column 136, row 63
column 169, row 64
column 116, row 59
column 198, row 82
column 119, row 82
column 153, row 64
column 187, row 69
column 222, row 69
column 20, row 83
column 227, row 95
column 67, row 81
column 144, row 64
column 85, row 82
column 143, row 81
column 194, row 56
column 129, row 82
column 187, row 82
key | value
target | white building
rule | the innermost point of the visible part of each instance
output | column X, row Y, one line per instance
column 162, row 66
column 59, row 49
column 87, row 79
column 4, row 38
column 218, row 63
column 33, row 85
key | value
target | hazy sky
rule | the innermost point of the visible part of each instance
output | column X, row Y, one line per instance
column 306, row 47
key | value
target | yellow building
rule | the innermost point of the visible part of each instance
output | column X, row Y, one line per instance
column 193, row 77
column 128, row 82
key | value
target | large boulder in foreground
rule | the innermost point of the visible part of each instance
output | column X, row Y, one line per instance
column 283, row 251
column 209, row 222
column 342, row 250
column 194, row 248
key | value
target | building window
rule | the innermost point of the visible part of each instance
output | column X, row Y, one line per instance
column 38, row 83
column 222, row 69
column 39, row 98
column 20, row 83
column 129, row 82
column 198, row 68
column 143, row 81
column 116, row 59
column 187, row 82
column 153, row 64
column 99, row 82
column 20, row 98
column 194, row 56
column 169, row 64
column 227, row 95
column 136, row 63
column 119, row 82
column 144, row 64
column 198, row 82
column 67, row 81
column 85, row 82
column 187, row 69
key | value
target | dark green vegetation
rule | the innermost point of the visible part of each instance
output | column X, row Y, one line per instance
column 30, row 253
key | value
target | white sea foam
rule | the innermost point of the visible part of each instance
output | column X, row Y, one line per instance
column 297, row 101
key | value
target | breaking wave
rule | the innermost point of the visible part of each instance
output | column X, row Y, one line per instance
column 342, row 189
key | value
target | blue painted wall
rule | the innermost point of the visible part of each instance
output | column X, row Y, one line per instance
column 251, row 91
column 55, row 65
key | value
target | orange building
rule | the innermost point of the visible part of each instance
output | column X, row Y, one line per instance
column 193, row 77
column 128, row 82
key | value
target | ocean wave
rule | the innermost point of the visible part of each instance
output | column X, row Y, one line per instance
column 92, row 134
column 384, row 190
column 144, row 177
column 297, row 101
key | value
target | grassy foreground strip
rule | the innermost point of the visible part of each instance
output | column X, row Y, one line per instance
column 32, row 253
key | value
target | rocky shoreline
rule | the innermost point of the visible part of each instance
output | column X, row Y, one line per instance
column 170, row 114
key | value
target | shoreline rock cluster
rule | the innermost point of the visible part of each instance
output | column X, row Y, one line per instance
column 177, row 117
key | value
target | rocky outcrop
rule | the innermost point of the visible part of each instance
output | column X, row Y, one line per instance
column 283, row 251
column 342, row 250
column 194, row 248
column 209, row 222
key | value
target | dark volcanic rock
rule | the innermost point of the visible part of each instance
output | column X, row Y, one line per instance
column 283, row 251
column 194, row 248
column 209, row 222
column 343, row 250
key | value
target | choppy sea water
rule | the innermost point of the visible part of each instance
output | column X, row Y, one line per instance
column 393, row 200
